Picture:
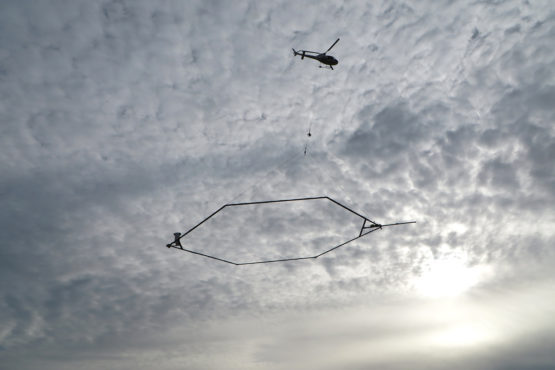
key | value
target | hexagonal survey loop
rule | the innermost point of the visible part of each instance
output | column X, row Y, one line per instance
column 368, row 226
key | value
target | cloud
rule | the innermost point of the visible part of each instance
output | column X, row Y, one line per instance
column 124, row 122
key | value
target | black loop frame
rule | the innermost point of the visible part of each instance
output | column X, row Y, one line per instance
column 368, row 226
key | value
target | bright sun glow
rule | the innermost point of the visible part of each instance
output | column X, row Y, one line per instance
column 448, row 277
column 463, row 335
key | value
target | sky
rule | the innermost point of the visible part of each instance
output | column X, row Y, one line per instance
column 122, row 122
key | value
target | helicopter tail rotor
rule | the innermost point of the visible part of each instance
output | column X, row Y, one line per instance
column 295, row 53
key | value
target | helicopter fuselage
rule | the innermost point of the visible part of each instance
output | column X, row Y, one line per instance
column 324, row 59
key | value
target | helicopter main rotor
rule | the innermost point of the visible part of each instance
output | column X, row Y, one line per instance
column 318, row 52
column 336, row 41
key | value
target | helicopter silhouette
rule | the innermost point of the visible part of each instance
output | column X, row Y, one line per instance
column 321, row 57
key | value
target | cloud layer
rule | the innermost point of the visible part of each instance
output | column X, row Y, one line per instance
column 122, row 122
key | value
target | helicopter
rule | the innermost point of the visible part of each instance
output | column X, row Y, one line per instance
column 321, row 57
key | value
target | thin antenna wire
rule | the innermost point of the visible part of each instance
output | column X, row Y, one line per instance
column 308, row 134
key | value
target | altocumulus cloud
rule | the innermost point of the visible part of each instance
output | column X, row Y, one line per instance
column 122, row 122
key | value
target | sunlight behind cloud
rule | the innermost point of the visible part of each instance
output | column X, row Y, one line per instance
column 463, row 335
column 449, row 277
